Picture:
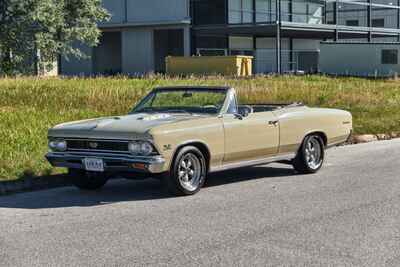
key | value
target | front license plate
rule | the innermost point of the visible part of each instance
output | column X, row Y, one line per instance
column 93, row 165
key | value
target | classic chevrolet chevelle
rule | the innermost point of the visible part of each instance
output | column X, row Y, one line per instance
column 181, row 134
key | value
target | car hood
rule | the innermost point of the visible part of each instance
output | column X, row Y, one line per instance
column 120, row 127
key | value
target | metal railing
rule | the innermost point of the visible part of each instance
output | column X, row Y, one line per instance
column 306, row 61
column 312, row 12
column 300, row 60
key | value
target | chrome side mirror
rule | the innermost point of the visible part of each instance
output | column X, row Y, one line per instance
column 238, row 116
column 242, row 114
column 245, row 112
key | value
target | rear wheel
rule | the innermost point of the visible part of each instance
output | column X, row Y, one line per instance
column 310, row 156
column 87, row 180
column 188, row 172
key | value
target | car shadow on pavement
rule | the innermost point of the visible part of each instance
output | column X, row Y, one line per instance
column 246, row 174
column 127, row 190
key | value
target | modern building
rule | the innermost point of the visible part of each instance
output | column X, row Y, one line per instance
column 360, row 59
column 282, row 35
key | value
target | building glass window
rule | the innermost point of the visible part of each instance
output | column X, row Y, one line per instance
column 352, row 22
column 240, row 11
column 208, row 12
column 378, row 23
column 265, row 10
column 390, row 56
column 302, row 11
column 211, row 45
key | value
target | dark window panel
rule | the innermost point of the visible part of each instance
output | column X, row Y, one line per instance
column 390, row 56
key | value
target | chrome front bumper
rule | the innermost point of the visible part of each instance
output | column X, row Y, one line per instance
column 112, row 162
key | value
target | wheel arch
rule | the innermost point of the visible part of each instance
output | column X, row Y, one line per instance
column 321, row 134
column 200, row 145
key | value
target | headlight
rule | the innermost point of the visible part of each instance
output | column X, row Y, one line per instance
column 58, row 145
column 140, row 148
column 134, row 147
column 146, row 148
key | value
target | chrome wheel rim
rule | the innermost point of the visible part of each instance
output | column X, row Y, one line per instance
column 313, row 153
column 190, row 172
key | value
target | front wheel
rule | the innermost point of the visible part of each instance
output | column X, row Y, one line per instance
column 310, row 156
column 87, row 180
column 188, row 172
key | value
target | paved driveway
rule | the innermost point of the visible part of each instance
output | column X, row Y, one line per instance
column 347, row 215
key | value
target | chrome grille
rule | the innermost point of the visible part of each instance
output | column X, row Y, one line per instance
column 97, row 145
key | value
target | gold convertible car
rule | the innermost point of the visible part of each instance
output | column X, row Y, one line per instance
column 181, row 134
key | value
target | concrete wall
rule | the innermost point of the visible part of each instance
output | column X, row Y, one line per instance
column 157, row 10
column 149, row 11
column 107, row 55
column 130, row 51
column 356, row 59
column 137, row 51
column 117, row 10
column 73, row 66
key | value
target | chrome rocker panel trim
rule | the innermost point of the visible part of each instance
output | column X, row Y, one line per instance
column 113, row 162
column 255, row 162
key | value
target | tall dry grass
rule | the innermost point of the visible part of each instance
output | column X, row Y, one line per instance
column 29, row 106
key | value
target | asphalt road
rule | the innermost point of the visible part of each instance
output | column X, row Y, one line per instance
column 347, row 215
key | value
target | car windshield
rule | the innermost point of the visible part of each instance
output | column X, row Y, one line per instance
column 207, row 101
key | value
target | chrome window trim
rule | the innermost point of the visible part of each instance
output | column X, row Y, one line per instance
column 229, row 94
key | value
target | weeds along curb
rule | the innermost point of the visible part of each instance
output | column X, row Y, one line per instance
column 32, row 184
column 367, row 138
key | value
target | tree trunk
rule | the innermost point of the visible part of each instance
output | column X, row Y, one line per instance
column 36, row 60
column 6, row 62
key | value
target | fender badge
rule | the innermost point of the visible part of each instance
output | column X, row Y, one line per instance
column 167, row 147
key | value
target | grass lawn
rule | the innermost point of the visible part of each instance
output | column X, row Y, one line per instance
column 29, row 106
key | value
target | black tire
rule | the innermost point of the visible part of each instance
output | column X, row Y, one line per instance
column 304, row 162
column 87, row 180
column 174, row 180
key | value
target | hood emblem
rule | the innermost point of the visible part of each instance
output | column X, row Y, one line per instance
column 93, row 145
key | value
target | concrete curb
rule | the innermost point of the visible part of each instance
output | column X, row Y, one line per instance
column 32, row 184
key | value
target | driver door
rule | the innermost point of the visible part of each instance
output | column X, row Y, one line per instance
column 249, row 138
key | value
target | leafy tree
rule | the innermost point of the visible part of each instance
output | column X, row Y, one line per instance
column 33, row 32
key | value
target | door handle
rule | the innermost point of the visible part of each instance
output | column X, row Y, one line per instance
column 274, row 123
